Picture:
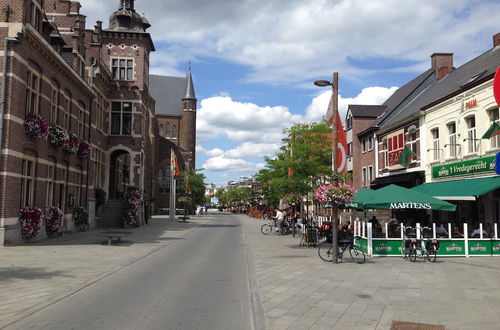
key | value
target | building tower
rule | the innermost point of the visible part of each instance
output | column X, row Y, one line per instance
column 188, row 127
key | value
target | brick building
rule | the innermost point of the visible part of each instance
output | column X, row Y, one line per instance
column 93, row 84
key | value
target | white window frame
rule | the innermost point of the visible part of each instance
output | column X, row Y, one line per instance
column 494, row 116
column 472, row 147
column 33, row 92
column 27, row 183
column 51, row 179
column 436, row 155
column 122, row 68
column 452, row 140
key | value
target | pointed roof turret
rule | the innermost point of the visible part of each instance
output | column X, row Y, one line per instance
column 126, row 19
column 189, row 88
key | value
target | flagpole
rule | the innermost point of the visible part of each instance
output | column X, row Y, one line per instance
column 172, row 198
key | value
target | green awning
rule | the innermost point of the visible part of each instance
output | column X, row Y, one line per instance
column 466, row 189
column 362, row 196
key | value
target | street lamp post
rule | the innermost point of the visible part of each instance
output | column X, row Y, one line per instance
column 335, row 175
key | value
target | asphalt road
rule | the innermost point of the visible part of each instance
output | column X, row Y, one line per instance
column 199, row 282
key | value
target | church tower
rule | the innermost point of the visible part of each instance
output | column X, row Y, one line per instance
column 188, row 122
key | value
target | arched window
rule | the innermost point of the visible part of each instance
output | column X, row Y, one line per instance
column 174, row 131
column 161, row 130
column 167, row 129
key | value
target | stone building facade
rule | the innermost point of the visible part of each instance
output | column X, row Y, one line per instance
column 93, row 83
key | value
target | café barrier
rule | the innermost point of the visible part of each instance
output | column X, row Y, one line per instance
column 384, row 244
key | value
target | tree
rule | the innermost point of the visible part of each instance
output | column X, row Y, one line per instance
column 193, row 184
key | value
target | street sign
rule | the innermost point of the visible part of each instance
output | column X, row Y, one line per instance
column 497, row 164
column 496, row 86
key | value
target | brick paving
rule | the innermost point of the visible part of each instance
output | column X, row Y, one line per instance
column 296, row 288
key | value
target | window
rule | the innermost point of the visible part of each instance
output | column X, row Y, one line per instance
column 348, row 122
column 167, row 129
column 161, row 130
column 364, row 178
column 452, row 139
column 370, row 176
column 98, row 167
column 494, row 117
column 78, row 189
column 33, row 93
column 121, row 118
column 51, row 177
column 370, row 143
column 122, row 69
column 27, row 183
column 435, row 144
column 471, row 134
column 34, row 15
column 174, row 132
column 64, row 111
column 101, row 111
column 164, row 180
column 412, row 138
column 349, row 150
column 364, row 145
column 383, row 151
column 81, row 123
column 63, row 179
column 54, row 104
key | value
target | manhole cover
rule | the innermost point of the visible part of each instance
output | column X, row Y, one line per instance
column 401, row 325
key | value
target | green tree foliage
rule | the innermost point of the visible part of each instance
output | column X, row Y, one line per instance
column 236, row 196
column 193, row 184
column 303, row 162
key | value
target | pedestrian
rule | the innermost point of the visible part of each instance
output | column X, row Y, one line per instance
column 441, row 231
column 279, row 217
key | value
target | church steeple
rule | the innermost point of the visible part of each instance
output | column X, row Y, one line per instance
column 127, row 19
column 190, row 95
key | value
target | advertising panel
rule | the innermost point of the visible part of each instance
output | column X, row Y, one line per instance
column 479, row 247
column 386, row 247
column 468, row 167
column 495, row 247
column 451, row 248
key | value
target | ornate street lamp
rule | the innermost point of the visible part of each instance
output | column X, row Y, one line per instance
column 335, row 175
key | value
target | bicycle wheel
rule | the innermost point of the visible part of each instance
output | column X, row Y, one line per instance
column 285, row 230
column 404, row 251
column 266, row 229
column 432, row 254
column 413, row 254
column 357, row 255
column 325, row 252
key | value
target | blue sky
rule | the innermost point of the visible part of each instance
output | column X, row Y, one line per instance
column 254, row 61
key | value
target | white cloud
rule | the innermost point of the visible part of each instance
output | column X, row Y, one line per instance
column 212, row 152
column 370, row 95
column 223, row 164
column 310, row 36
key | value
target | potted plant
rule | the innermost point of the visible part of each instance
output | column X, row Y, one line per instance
column 53, row 218
column 71, row 144
column 30, row 219
column 80, row 217
column 84, row 150
column 36, row 126
column 57, row 135
column 331, row 194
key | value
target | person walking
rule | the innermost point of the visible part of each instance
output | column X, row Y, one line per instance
column 279, row 217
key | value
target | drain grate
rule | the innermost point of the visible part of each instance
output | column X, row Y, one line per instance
column 401, row 325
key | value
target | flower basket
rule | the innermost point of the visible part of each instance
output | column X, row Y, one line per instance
column 133, row 199
column 53, row 218
column 337, row 195
column 57, row 135
column 71, row 145
column 36, row 126
column 79, row 216
column 30, row 219
column 84, row 150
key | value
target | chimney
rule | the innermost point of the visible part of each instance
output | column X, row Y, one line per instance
column 496, row 40
column 442, row 63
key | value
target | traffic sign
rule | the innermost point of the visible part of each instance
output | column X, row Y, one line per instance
column 496, row 86
column 497, row 164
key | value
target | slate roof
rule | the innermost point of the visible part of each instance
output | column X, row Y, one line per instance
column 432, row 91
column 169, row 92
column 362, row 110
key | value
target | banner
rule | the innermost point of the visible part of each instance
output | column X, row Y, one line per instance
column 174, row 164
column 341, row 138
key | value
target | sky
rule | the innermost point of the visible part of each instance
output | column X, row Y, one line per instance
column 254, row 61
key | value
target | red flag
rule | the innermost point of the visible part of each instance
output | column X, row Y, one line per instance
column 342, row 139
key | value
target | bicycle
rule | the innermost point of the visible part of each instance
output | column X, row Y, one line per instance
column 408, row 241
column 425, row 247
column 326, row 254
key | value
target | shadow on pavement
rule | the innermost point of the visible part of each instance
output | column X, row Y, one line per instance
column 29, row 273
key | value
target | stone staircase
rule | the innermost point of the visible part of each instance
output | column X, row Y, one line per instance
column 111, row 214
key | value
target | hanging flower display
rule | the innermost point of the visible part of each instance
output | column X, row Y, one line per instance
column 79, row 216
column 36, row 126
column 338, row 195
column 57, row 135
column 84, row 150
column 71, row 144
column 31, row 221
column 292, row 198
column 53, row 218
column 133, row 199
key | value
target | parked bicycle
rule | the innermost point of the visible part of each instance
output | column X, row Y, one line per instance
column 325, row 251
column 425, row 247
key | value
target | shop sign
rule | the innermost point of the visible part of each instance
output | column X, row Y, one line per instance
column 468, row 167
column 362, row 243
column 386, row 247
column 470, row 104
column 395, row 145
column 452, row 248
column 495, row 247
column 480, row 247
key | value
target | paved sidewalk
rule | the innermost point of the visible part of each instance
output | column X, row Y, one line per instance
column 300, row 291
column 37, row 274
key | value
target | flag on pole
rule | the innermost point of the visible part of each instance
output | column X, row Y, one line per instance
column 405, row 156
column 341, row 139
column 492, row 131
column 174, row 164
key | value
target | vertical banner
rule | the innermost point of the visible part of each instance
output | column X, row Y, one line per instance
column 342, row 139
column 174, row 173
